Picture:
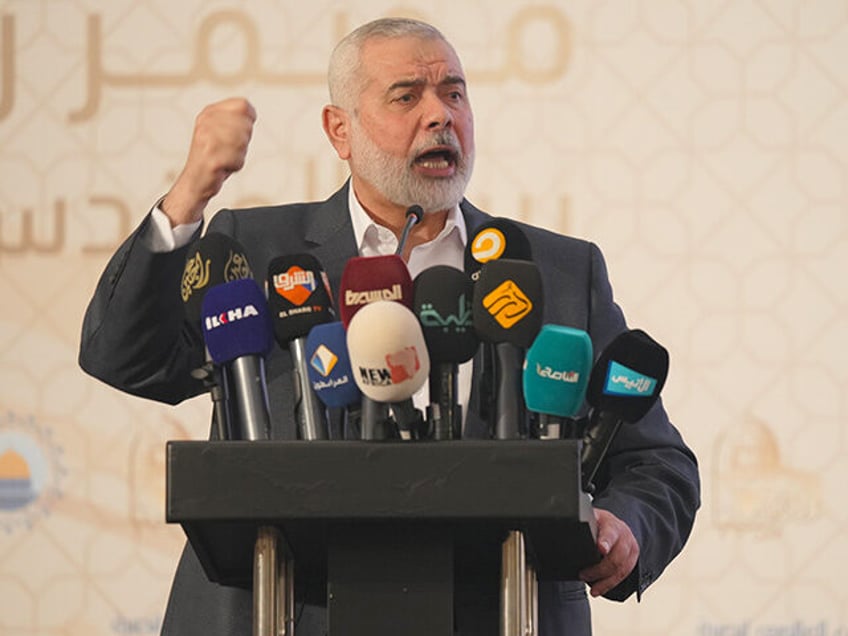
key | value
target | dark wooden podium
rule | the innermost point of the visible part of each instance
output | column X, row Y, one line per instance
column 394, row 537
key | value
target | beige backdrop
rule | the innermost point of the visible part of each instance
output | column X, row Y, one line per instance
column 702, row 144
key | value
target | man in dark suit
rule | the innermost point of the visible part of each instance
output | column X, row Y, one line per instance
column 401, row 117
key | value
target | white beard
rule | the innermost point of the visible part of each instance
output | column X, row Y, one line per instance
column 395, row 178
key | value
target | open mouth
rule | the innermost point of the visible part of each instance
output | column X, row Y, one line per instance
column 437, row 158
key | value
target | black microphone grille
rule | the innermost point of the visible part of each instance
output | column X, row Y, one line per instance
column 415, row 210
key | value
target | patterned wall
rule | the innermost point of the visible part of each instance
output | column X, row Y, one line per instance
column 702, row 143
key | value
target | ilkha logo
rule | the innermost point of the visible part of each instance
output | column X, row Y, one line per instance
column 324, row 360
column 231, row 315
column 488, row 245
column 507, row 304
column 30, row 471
column 296, row 285
column 624, row 381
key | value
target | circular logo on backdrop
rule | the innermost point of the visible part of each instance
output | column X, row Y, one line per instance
column 30, row 471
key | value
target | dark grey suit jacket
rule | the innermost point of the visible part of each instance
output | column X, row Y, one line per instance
column 135, row 339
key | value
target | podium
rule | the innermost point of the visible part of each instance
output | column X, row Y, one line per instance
column 393, row 537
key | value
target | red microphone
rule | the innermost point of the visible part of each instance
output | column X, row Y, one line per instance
column 367, row 279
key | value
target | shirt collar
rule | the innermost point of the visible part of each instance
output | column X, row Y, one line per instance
column 372, row 238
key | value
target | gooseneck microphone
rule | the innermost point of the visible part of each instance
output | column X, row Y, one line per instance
column 556, row 373
column 625, row 383
column 442, row 298
column 212, row 260
column 507, row 312
column 237, row 332
column 390, row 363
column 414, row 214
column 299, row 299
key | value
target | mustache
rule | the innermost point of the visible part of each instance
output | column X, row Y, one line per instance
column 442, row 141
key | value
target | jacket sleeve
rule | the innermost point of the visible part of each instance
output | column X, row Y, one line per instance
column 649, row 479
column 134, row 334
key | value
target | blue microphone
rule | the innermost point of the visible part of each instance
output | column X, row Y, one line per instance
column 556, row 373
column 329, row 369
column 238, row 334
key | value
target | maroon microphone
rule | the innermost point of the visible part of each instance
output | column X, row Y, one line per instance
column 366, row 279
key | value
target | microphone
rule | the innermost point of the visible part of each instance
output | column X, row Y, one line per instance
column 414, row 214
column 496, row 239
column 213, row 259
column 442, row 301
column 330, row 372
column 624, row 384
column 556, row 373
column 299, row 298
column 507, row 311
column 369, row 278
column 237, row 331
column 366, row 279
column 390, row 363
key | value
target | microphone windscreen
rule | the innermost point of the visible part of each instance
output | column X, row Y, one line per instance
column 628, row 375
column 387, row 351
column 298, row 296
column 499, row 238
column 369, row 278
column 329, row 369
column 556, row 370
column 235, row 321
column 415, row 210
column 442, row 301
column 213, row 259
column 508, row 302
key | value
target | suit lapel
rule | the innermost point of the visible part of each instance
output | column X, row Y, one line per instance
column 475, row 426
column 329, row 236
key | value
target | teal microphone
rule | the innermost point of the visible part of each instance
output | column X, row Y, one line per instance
column 556, row 372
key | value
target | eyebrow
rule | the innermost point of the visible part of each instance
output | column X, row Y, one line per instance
column 412, row 83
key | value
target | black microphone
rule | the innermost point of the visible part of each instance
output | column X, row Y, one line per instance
column 299, row 299
column 414, row 214
column 508, row 309
column 212, row 260
column 496, row 239
column 442, row 298
column 624, row 384
column 237, row 332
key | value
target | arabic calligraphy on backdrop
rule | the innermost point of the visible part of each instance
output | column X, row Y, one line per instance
column 116, row 216
column 542, row 69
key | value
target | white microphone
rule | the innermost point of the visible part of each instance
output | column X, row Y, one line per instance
column 390, row 361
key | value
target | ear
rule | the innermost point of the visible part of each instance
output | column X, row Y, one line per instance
column 336, row 123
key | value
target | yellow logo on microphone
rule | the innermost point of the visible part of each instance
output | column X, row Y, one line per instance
column 507, row 304
column 488, row 245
